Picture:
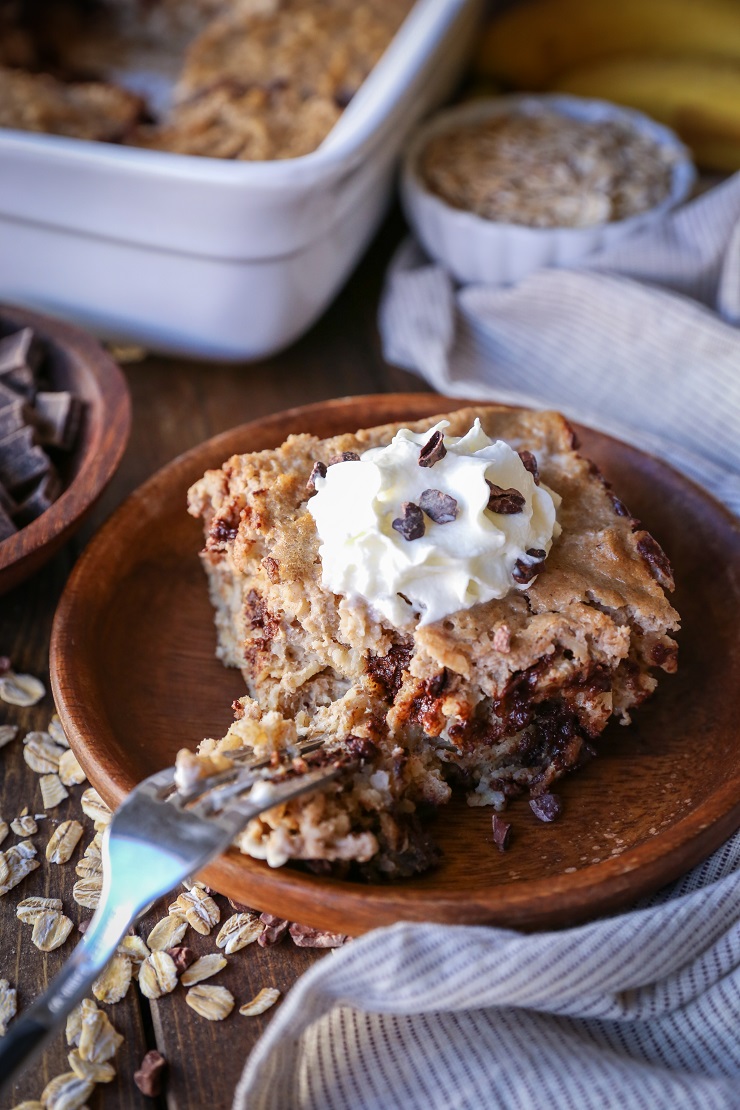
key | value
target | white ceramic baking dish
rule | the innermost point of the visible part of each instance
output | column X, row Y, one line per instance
column 217, row 259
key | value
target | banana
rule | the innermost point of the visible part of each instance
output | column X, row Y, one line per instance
column 697, row 97
column 531, row 44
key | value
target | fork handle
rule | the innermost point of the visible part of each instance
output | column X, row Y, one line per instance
column 21, row 1041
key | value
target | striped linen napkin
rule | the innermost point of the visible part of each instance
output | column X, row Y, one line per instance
column 640, row 1010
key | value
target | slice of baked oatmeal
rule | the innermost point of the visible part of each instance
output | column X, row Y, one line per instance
column 484, row 638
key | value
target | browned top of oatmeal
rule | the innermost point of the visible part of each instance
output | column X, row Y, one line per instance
column 254, row 79
column 547, row 170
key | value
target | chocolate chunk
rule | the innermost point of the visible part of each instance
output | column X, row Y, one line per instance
column 21, row 461
column 8, row 397
column 272, row 567
column 57, row 417
column 433, row 450
column 307, row 937
column 530, row 464
column 20, row 354
column 656, row 559
column 439, row 507
column 11, row 417
column 83, row 926
column 7, row 527
column 501, row 832
column 411, row 523
column 150, row 1076
column 525, row 572
column 274, row 931
column 504, row 501
column 547, row 807
column 318, row 471
column 39, row 499
column 182, row 957
column 345, row 456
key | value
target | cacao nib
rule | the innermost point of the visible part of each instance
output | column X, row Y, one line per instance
column 222, row 532
column 439, row 506
column 361, row 747
column 307, row 937
column 501, row 832
column 411, row 522
column 150, row 1075
column 317, row 471
column 433, row 450
column 547, row 807
column 504, row 501
column 530, row 464
column 182, row 957
column 344, row 456
column 525, row 572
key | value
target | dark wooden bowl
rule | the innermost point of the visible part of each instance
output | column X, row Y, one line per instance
column 135, row 677
column 78, row 363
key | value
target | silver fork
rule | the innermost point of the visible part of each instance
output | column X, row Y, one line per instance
column 154, row 840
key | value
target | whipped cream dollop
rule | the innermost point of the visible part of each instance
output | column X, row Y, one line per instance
column 379, row 541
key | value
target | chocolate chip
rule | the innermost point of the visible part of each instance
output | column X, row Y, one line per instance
column 182, row 957
column 525, row 572
column 439, row 507
column 411, row 523
column 530, row 464
column 547, row 807
column 656, row 559
column 274, row 930
column 504, row 501
column 305, row 936
column 318, row 471
column 345, row 456
column 433, row 450
column 150, row 1074
column 83, row 926
column 501, row 833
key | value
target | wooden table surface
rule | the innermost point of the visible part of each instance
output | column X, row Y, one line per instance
column 176, row 404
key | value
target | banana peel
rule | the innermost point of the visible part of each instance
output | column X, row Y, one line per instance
column 698, row 98
column 530, row 45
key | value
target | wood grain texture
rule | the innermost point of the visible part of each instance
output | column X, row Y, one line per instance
column 176, row 405
column 75, row 362
column 145, row 681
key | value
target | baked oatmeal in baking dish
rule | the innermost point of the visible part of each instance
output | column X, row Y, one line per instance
column 462, row 603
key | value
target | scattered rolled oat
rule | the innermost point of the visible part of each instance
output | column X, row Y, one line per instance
column 29, row 1104
column 262, row 1001
column 203, row 968
column 24, row 825
column 4, row 829
column 134, row 948
column 20, row 863
column 91, row 1031
column 50, row 930
column 213, row 1003
column 307, row 937
column 91, row 865
column 238, row 931
column 86, row 1069
column 198, row 909
column 157, row 975
column 113, row 983
column 56, row 731
column 167, row 933
column 4, row 869
column 70, row 771
column 95, row 808
column 41, row 753
column 67, row 1092
column 52, row 790
column 21, row 689
column 8, row 1005
column 7, row 733
column 150, row 1075
column 63, row 841
column 28, row 909
column 86, row 892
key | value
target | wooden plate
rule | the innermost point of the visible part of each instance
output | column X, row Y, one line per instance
column 78, row 363
column 135, row 678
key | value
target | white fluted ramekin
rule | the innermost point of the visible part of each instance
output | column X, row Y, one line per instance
column 476, row 249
